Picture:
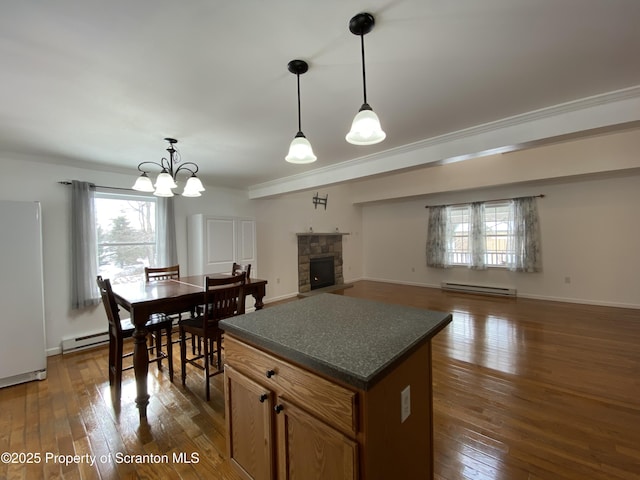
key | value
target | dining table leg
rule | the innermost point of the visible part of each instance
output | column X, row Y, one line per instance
column 258, row 294
column 140, row 361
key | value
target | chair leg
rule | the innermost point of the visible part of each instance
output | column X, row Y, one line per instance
column 206, row 367
column 158, row 339
column 219, row 353
column 112, row 359
column 169, row 352
column 118, row 369
column 150, row 342
column 183, row 355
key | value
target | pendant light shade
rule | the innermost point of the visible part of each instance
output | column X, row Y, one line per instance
column 365, row 129
column 300, row 150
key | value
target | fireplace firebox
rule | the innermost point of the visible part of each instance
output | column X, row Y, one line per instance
column 321, row 272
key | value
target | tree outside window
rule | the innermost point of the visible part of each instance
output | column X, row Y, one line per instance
column 126, row 234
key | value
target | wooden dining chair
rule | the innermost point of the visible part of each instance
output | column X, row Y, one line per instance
column 152, row 274
column 223, row 298
column 239, row 268
column 121, row 329
column 155, row 274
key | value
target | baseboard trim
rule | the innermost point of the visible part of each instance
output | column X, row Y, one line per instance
column 580, row 301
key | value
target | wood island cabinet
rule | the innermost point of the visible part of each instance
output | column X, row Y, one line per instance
column 284, row 422
column 330, row 388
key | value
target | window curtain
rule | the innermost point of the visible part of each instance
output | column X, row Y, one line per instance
column 84, row 289
column 437, row 251
column 477, row 241
column 524, row 237
column 166, row 249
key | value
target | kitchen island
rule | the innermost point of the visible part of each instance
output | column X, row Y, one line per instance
column 331, row 387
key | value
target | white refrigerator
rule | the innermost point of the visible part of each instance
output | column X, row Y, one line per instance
column 22, row 332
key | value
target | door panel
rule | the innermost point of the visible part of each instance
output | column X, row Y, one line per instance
column 308, row 449
column 249, row 415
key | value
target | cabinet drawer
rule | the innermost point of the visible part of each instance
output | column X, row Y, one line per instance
column 328, row 401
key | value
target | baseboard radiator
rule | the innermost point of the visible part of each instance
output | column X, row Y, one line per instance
column 480, row 289
column 87, row 341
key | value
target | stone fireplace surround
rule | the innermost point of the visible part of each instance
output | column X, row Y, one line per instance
column 315, row 245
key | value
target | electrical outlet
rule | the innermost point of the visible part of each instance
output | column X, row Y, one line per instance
column 405, row 403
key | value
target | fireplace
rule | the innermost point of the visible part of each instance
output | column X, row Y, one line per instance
column 321, row 272
column 325, row 247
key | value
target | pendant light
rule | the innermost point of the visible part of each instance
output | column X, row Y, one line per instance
column 300, row 150
column 365, row 129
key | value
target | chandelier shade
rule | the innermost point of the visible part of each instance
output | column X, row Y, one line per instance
column 166, row 179
column 193, row 187
column 365, row 128
column 300, row 150
column 144, row 183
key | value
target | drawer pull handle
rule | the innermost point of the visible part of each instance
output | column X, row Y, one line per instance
column 263, row 397
column 270, row 373
column 278, row 408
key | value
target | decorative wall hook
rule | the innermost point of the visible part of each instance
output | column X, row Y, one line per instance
column 320, row 200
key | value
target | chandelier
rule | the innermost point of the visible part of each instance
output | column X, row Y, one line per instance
column 166, row 180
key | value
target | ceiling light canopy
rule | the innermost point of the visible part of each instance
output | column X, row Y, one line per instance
column 365, row 129
column 300, row 150
column 166, row 180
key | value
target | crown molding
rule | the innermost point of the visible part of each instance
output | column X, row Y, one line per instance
column 568, row 120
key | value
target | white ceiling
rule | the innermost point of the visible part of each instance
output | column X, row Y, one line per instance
column 104, row 82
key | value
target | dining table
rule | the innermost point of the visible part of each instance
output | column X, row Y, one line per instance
column 143, row 299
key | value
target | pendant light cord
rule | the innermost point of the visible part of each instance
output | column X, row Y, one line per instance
column 364, row 75
column 299, row 114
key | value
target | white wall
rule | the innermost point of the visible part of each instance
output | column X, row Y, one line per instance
column 589, row 219
column 590, row 231
column 590, row 224
column 42, row 178
column 278, row 221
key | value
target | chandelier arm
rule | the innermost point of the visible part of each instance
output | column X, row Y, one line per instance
column 186, row 166
column 167, row 165
column 150, row 163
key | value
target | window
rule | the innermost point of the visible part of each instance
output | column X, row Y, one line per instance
column 502, row 233
column 496, row 221
column 126, row 235
column 495, row 232
column 459, row 240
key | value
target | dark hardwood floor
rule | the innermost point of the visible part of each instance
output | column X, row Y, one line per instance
column 523, row 389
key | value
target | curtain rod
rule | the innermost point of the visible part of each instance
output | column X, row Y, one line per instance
column 99, row 186
column 486, row 201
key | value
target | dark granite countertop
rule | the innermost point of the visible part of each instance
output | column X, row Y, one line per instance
column 350, row 339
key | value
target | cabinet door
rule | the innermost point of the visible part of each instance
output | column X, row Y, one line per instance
column 221, row 243
column 246, row 233
column 249, row 412
column 308, row 449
